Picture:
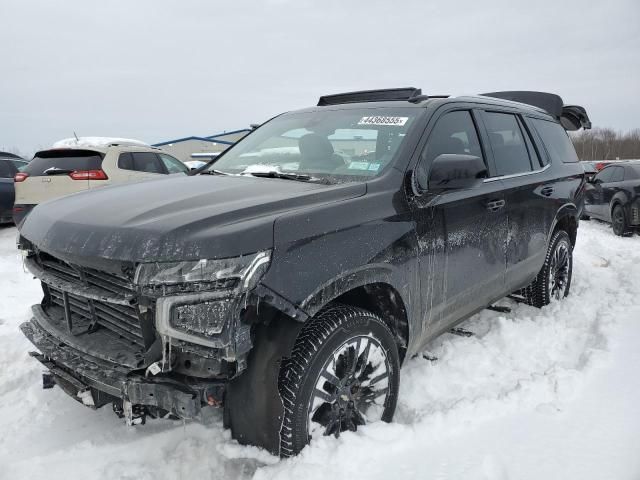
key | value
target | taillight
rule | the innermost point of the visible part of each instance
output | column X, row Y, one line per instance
column 88, row 175
column 20, row 177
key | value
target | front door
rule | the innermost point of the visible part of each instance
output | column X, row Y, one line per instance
column 461, row 233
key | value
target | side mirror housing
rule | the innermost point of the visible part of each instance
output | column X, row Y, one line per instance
column 453, row 171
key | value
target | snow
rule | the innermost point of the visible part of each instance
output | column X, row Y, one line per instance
column 536, row 394
column 96, row 142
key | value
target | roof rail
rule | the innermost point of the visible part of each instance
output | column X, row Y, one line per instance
column 386, row 94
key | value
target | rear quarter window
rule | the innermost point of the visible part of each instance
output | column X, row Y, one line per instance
column 555, row 140
column 63, row 160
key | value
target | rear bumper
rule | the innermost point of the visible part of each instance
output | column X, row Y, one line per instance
column 96, row 382
column 20, row 212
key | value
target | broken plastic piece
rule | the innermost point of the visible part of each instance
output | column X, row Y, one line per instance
column 153, row 369
column 499, row 308
column 461, row 332
column 87, row 397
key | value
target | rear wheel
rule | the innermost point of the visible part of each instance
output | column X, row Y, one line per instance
column 619, row 221
column 554, row 279
column 344, row 372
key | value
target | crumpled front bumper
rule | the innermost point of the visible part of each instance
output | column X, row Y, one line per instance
column 96, row 382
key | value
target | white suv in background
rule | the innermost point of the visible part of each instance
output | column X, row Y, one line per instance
column 74, row 165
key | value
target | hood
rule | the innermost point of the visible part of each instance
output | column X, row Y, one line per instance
column 180, row 218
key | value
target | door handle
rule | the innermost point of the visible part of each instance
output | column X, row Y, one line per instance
column 495, row 205
column 547, row 191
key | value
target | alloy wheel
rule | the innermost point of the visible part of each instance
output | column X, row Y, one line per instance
column 559, row 271
column 351, row 389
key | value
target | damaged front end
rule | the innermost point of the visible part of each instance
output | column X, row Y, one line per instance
column 149, row 338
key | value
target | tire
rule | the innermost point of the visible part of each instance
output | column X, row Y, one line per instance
column 325, row 388
column 554, row 279
column 619, row 221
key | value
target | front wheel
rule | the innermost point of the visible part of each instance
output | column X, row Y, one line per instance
column 344, row 372
column 554, row 279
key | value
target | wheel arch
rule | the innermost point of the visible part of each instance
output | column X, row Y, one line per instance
column 372, row 289
column 567, row 220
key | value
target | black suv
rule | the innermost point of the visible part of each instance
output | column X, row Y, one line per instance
column 289, row 279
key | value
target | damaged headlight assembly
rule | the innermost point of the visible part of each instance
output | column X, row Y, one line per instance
column 202, row 295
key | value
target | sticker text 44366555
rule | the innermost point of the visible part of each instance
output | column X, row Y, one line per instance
column 381, row 120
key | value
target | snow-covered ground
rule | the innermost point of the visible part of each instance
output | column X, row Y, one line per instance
column 536, row 394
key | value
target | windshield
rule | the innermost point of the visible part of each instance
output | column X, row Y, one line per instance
column 332, row 145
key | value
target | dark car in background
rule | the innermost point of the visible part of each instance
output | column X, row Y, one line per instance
column 613, row 196
column 289, row 279
column 10, row 164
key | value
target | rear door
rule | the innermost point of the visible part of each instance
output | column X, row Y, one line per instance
column 528, row 190
column 56, row 173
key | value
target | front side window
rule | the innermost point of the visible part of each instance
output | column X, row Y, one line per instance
column 556, row 140
column 454, row 133
column 507, row 143
column 604, row 176
column 173, row 165
column 333, row 145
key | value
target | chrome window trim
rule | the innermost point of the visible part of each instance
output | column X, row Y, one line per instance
column 515, row 175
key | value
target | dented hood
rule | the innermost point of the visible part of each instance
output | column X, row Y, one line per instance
column 179, row 218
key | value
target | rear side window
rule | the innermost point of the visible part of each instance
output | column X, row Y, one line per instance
column 508, row 143
column 140, row 162
column 617, row 175
column 173, row 165
column 7, row 170
column 632, row 173
column 556, row 141
column 69, row 160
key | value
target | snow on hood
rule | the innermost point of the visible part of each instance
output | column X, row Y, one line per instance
column 96, row 142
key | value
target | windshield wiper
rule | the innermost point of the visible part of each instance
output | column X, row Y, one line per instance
column 212, row 172
column 283, row 175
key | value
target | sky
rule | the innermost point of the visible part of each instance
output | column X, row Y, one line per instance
column 157, row 70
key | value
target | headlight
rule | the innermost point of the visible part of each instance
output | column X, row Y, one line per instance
column 242, row 272
column 204, row 319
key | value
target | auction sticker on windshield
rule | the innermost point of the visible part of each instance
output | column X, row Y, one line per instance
column 380, row 120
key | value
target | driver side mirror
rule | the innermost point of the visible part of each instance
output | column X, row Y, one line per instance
column 453, row 171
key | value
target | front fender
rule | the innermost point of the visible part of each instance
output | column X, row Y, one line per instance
column 366, row 275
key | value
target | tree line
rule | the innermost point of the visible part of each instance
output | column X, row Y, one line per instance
column 607, row 144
